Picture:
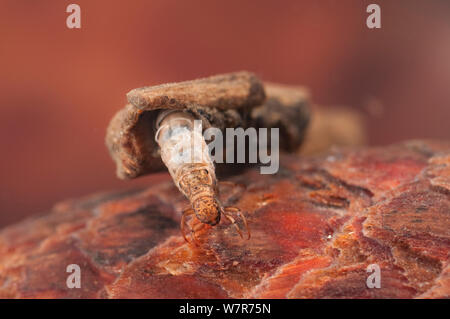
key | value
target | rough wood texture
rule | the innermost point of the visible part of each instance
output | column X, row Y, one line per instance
column 224, row 91
column 330, row 126
column 286, row 108
column 316, row 226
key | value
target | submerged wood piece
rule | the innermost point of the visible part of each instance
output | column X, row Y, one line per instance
column 316, row 227
column 286, row 108
column 225, row 91
column 222, row 101
column 333, row 126
column 219, row 101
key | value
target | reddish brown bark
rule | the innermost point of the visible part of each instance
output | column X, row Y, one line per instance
column 316, row 226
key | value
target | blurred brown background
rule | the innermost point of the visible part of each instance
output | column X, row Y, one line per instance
column 60, row 87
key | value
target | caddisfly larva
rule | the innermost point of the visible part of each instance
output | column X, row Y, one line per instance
column 186, row 155
column 232, row 100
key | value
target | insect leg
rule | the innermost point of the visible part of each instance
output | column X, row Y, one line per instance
column 194, row 229
column 183, row 224
column 231, row 219
column 239, row 212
